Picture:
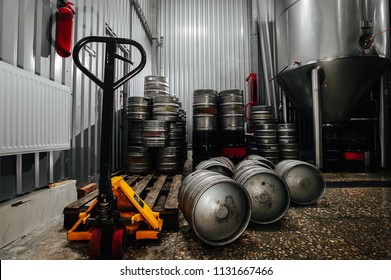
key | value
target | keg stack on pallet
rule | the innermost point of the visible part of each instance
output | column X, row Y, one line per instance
column 265, row 132
column 274, row 141
column 205, row 140
column 231, row 124
column 218, row 125
column 156, row 146
column 287, row 139
column 157, row 130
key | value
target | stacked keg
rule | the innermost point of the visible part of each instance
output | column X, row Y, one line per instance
column 157, row 130
column 205, row 140
column 182, row 121
column 155, row 133
column 139, row 157
column 287, row 139
column 231, row 124
column 265, row 132
column 155, row 86
column 166, row 108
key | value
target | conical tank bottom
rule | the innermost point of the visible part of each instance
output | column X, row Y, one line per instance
column 344, row 84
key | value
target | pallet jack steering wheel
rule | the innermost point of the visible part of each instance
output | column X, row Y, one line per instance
column 108, row 231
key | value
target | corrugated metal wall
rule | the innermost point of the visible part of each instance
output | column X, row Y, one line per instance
column 267, row 54
column 140, row 35
column 206, row 45
column 27, row 23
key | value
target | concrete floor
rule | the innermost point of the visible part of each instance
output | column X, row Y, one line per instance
column 349, row 223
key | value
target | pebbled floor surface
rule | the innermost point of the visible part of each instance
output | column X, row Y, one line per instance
column 348, row 223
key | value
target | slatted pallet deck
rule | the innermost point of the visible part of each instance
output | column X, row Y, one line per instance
column 160, row 193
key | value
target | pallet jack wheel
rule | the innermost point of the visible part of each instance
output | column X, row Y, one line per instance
column 95, row 242
column 117, row 243
column 101, row 243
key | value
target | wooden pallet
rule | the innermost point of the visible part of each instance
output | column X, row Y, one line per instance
column 160, row 193
column 71, row 211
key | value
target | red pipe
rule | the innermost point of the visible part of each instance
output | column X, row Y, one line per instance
column 253, row 99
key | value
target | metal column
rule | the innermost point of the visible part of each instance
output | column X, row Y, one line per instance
column 384, row 127
column 317, row 118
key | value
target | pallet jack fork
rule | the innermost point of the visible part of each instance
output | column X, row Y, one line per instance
column 136, row 216
column 113, row 207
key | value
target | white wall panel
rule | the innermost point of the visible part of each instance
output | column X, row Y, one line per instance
column 36, row 112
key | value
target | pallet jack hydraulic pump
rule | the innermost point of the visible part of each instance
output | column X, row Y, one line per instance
column 117, row 210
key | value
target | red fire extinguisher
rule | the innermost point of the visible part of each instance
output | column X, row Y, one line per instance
column 64, row 30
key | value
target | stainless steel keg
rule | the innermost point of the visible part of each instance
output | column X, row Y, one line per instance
column 217, row 208
column 305, row 181
column 155, row 133
column 268, row 192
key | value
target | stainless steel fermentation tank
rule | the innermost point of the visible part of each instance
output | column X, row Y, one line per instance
column 329, row 55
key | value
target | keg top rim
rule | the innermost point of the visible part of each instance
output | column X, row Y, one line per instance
column 203, row 91
column 231, row 91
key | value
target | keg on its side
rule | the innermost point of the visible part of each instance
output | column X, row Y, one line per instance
column 305, row 181
column 261, row 159
column 215, row 165
column 217, row 208
column 268, row 192
column 226, row 161
column 251, row 162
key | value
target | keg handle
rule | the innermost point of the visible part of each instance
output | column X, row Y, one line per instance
column 110, row 42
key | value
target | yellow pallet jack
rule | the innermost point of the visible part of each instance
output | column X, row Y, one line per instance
column 136, row 216
column 117, row 210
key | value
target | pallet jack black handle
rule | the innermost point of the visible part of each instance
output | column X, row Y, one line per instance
column 105, row 198
column 108, row 41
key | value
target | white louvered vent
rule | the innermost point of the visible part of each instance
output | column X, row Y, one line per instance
column 35, row 113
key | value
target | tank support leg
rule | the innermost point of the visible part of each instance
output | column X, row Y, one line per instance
column 317, row 118
column 384, row 126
